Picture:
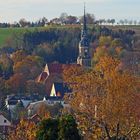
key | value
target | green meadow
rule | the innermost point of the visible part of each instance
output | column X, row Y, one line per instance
column 7, row 33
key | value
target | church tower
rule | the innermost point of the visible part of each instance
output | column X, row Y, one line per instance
column 84, row 58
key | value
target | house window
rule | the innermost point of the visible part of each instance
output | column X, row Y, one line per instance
column 5, row 121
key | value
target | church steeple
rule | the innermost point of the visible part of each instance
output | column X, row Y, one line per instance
column 84, row 21
column 84, row 54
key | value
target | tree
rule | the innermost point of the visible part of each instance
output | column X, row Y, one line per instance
column 126, row 21
column 68, row 129
column 19, row 56
column 64, row 128
column 121, row 22
column 135, row 22
column 100, row 52
column 47, row 130
column 2, row 88
column 45, row 51
column 63, row 17
column 130, row 22
column 31, row 87
column 116, row 43
column 43, row 21
column 120, row 102
column 71, row 20
column 30, row 66
column 130, row 62
column 112, row 21
column 109, row 21
column 55, row 21
column 105, row 40
column 101, row 21
column 89, row 17
column 23, row 22
column 25, row 130
column 6, row 66
column 16, row 83
column 103, row 96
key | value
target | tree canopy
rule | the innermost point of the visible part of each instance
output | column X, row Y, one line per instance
column 104, row 95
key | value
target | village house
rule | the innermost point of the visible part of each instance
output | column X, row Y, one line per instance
column 5, row 126
column 57, row 93
column 13, row 100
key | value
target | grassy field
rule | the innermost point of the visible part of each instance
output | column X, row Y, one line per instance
column 6, row 33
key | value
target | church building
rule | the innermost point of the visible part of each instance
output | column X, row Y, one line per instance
column 53, row 73
column 84, row 58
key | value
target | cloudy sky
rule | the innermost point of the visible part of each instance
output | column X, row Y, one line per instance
column 13, row 10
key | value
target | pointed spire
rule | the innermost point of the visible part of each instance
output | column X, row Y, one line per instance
column 84, row 58
column 84, row 29
column 85, row 22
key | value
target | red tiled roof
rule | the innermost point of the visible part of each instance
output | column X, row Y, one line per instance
column 55, row 68
column 53, row 73
column 58, row 68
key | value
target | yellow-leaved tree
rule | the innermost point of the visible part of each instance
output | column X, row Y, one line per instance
column 105, row 101
column 25, row 130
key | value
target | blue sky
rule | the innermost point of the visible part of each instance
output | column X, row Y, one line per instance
column 13, row 10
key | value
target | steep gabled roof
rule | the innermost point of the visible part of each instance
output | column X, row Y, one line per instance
column 54, row 68
column 4, row 121
column 53, row 73
column 60, row 89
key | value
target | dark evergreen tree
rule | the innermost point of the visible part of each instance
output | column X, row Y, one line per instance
column 64, row 128
column 48, row 130
column 68, row 129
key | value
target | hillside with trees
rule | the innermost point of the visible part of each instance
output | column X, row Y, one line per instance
column 60, row 44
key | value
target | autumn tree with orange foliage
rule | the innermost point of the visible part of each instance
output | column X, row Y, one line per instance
column 120, row 106
column 16, row 83
column 105, row 98
column 25, row 130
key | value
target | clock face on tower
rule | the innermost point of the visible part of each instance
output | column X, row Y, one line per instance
column 86, row 50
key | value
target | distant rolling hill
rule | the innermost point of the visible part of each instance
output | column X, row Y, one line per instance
column 135, row 28
column 7, row 33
